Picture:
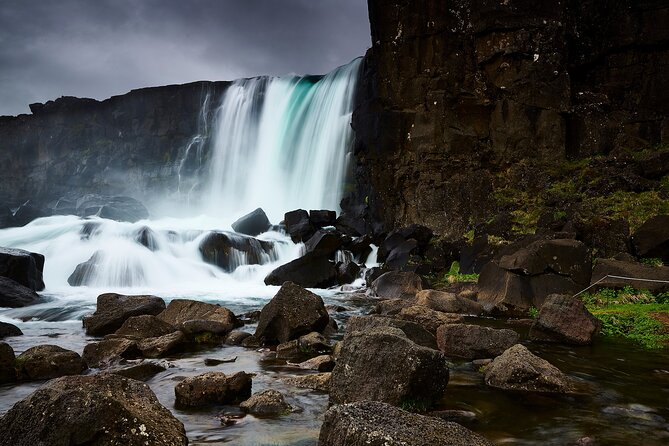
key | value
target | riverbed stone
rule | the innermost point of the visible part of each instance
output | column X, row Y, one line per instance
column 107, row 351
column 291, row 313
column 253, row 223
column 322, row 363
column 312, row 270
column 48, row 361
column 222, row 249
column 213, row 388
column 114, row 309
column 396, row 284
column 373, row 423
column 315, row 381
column 518, row 369
column 213, row 318
column 415, row 332
column 15, row 295
column 267, row 402
column 298, row 225
column 144, row 326
column 141, row 371
column 564, row 319
column 382, row 364
column 473, row 341
column 236, row 337
column 428, row 318
column 102, row 409
column 161, row 346
column 448, row 302
column 7, row 370
column 7, row 330
column 22, row 267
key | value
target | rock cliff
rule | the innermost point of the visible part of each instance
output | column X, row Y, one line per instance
column 472, row 101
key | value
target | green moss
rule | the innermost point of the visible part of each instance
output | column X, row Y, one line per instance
column 453, row 275
column 533, row 312
column 652, row 261
column 415, row 405
column 635, row 207
column 207, row 337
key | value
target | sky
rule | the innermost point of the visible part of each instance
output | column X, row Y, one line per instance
column 101, row 48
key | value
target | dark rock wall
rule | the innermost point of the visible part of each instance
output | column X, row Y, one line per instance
column 130, row 144
column 456, row 92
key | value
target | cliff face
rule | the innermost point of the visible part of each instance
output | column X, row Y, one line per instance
column 466, row 98
column 131, row 144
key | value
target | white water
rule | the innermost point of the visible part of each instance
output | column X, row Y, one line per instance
column 279, row 143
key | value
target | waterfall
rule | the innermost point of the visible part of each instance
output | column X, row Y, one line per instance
column 281, row 143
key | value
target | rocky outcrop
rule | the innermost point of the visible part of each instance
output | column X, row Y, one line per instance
column 15, row 295
column 291, row 313
column 114, row 309
column 382, row 364
column 252, row 224
column 48, row 361
column 192, row 317
column 97, row 410
column 652, row 238
column 23, row 267
column 372, row 423
column 213, row 388
column 267, row 402
column 627, row 272
column 473, row 341
column 564, row 319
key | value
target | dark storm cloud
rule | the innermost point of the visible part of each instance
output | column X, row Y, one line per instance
column 98, row 48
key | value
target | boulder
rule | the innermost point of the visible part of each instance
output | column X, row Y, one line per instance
column 448, row 302
column 85, row 271
column 15, row 295
column 253, row 223
column 161, row 346
column 347, row 272
column 652, row 238
column 391, row 307
column 101, row 354
column 7, row 358
column 373, row 423
column 100, row 409
column 291, row 313
column 22, row 267
column 316, row 381
column 309, row 345
column 267, row 402
column 227, row 249
column 322, row 218
column 213, row 388
column 411, row 330
column 474, row 341
column 633, row 270
column 526, row 276
column 322, row 363
column 144, row 326
column 311, row 271
column 193, row 316
column 427, row 318
column 147, row 238
column 141, row 371
column 114, row 309
column 118, row 208
column 518, row 369
column 382, row 364
column 398, row 258
column 7, row 330
column 324, row 243
column 564, row 319
column 236, row 337
column 298, row 225
column 6, row 217
column 396, row 284
column 48, row 361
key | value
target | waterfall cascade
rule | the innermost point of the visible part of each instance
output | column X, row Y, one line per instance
column 278, row 143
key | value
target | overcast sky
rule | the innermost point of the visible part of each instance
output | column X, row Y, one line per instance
column 100, row 48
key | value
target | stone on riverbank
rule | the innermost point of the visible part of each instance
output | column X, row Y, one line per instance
column 7, row 330
column 448, row 302
column 22, row 267
column 15, row 295
column 396, row 284
column 107, row 351
column 267, row 402
column 473, row 341
column 47, row 362
column 213, row 388
column 114, row 309
column 564, row 319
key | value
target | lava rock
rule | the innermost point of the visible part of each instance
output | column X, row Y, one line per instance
column 298, row 225
column 105, row 352
column 411, row 330
column 48, row 361
column 144, row 326
column 213, row 388
column 223, row 249
column 564, row 319
column 192, row 316
column 253, row 223
column 291, row 313
column 114, row 309
column 311, row 271
column 518, row 369
column 397, row 284
column 15, row 295
column 322, row 218
column 323, row 243
column 23, row 267
column 267, row 402
column 7, row 330
column 448, row 302
column 382, row 364
column 7, row 358
column 652, row 238
column 428, row 318
column 474, row 341
column 373, row 423
column 100, row 409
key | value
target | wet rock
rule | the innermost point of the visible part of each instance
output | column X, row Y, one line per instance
column 564, row 319
column 114, row 309
column 84, row 271
column 192, row 316
column 396, row 284
column 224, row 249
column 309, row 345
column 391, row 306
column 401, row 370
column 317, row 381
column 474, row 341
column 652, row 238
column 160, row 346
column 448, row 302
column 211, row 362
column 251, row 342
column 311, row 271
column 144, row 326
column 322, row 218
column 147, row 238
column 7, row 370
column 635, row 270
column 213, row 388
column 373, row 423
column 23, row 267
column 347, row 272
column 267, row 402
column 236, row 337
column 324, row 243
column 428, row 318
column 253, row 223
column 105, row 352
column 28, row 212
column 7, row 330
column 100, row 409
column 411, row 330
column 528, row 275
column 518, row 369
column 298, row 225
column 118, row 208
column 322, row 363
column 15, row 295
column 48, row 361
column 291, row 313
column 456, row 416
column 141, row 371
column 6, row 217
